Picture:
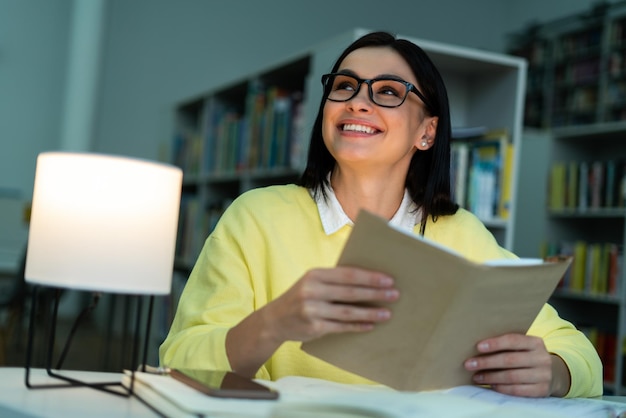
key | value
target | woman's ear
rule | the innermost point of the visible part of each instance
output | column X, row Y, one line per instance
column 430, row 133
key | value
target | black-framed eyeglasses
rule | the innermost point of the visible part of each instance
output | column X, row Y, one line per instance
column 383, row 91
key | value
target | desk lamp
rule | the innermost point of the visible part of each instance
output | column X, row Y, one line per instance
column 101, row 223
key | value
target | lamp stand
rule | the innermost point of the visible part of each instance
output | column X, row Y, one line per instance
column 120, row 390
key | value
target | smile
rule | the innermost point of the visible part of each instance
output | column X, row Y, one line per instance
column 358, row 128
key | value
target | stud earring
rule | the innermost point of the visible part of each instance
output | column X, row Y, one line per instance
column 424, row 143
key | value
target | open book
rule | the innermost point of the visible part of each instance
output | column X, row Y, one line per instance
column 447, row 304
column 310, row 397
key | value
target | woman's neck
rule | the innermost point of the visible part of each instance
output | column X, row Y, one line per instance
column 380, row 195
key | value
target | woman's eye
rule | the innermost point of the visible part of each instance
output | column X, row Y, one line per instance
column 388, row 91
column 344, row 86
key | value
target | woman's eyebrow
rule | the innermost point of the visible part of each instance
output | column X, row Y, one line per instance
column 390, row 76
column 348, row 71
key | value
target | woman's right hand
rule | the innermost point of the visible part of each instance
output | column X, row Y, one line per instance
column 332, row 300
column 323, row 301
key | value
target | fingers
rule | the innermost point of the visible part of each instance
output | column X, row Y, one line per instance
column 348, row 313
column 505, row 342
column 333, row 300
column 353, row 276
column 327, row 317
column 509, row 360
column 514, row 364
column 533, row 382
column 526, row 375
column 345, row 284
column 347, row 294
column 510, row 351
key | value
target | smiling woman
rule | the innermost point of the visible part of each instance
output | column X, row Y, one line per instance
column 267, row 280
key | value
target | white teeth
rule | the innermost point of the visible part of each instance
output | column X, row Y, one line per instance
column 358, row 128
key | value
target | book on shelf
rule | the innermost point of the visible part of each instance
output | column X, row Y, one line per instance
column 556, row 187
column 276, row 128
column 225, row 137
column 484, row 172
column 213, row 111
column 459, row 156
column 269, row 124
column 481, row 173
column 255, row 104
column 596, row 182
column 196, row 221
column 579, row 267
column 583, row 185
column 298, row 141
column 571, row 193
column 187, row 150
column 596, row 267
column 429, row 333
column 504, row 204
column 587, row 185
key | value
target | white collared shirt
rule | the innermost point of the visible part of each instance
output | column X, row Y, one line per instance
column 334, row 218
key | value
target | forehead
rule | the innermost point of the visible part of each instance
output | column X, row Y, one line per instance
column 371, row 62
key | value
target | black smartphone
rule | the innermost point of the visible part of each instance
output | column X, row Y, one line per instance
column 223, row 384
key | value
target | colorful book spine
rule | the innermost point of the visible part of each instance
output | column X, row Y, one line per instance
column 596, row 268
column 587, row 185
column 481, row 174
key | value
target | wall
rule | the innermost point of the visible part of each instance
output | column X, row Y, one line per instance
column 33, row 40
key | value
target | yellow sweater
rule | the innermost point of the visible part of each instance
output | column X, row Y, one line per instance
column 268, row 238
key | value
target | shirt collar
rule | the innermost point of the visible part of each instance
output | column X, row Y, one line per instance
column 334, row 218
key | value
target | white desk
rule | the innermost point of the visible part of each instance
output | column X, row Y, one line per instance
column 17, row 401
column 300, row 397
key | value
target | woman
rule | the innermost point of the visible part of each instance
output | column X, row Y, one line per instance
column 266, row 278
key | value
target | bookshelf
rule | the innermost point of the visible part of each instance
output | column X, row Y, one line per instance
column 238, row 137
column 577, row 68
column 586, row 215
column 222, row 141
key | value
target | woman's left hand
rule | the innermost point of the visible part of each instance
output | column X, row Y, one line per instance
column 517, row 364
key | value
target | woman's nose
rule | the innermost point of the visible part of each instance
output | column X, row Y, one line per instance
column 361, row 101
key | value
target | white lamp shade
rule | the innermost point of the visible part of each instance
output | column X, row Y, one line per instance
column 103, row 223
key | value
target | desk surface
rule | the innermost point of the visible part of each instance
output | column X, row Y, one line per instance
column 300, row 397
column 17, row 401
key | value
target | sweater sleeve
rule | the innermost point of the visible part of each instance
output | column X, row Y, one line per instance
column 564, row 340
column 217, row 295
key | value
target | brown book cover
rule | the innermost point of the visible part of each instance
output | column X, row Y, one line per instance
column 447, row 304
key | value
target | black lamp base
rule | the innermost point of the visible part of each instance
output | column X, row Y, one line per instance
column 115, row 387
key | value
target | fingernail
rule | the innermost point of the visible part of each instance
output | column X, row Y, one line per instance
column 392, row 294
column 386, row 281
column 384, row 314
column 478, row 378
column 483, row 346
column 471, row 364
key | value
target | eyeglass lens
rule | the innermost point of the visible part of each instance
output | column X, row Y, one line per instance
column 383, row 92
